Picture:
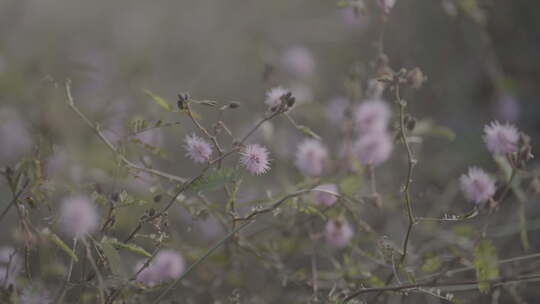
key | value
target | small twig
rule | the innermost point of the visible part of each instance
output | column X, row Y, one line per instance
column 62, row 291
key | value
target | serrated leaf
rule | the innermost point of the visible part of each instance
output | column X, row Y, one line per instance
column 129, row 247
column 486, row 264
column 214, row 180
column 58, row 242
column 157, row 99
column 115, row 262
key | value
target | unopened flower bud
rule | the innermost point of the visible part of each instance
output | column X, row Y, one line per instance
column 234, row 105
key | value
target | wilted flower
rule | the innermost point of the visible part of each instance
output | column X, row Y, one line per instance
column 167, row 265
column 198, row 149
column 372, row 116
column 338, row 232
column 323, row 197
column 310, row 157
column 273, row 97
column 477, row 185
column 501, row 139
column 298, row 61
column 78, row 216
column 10, row 265
column 255, row 159
column 373, row 148
column 335, row 112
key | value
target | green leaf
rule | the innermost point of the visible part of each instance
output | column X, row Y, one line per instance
column 485, row 262
column 115, row 262
column 157, row 99
column 308, row 131
column 129, row 247
column 349, row 185
column 431, row 263
column 214, row 180
column 58, row 242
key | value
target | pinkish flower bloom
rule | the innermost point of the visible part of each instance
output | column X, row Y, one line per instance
column 78, row 216
column 255, row 159
column 298, row 61
column 373, row 148
column 386, row 5
column 10, row 265
column 338, row 232
column 335, row 111
column 372, row 116
column 273, row 96
column 167, row 265
column 323, row 196
column 198, row 149
column 477, row 186
column 310, row 157
column 501, row 139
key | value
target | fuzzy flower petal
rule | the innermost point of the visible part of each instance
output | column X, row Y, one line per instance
column 273, row 96
column 255, row 159
column 298, row 61
column 167, row 265
column 78, row 216
column 310, row 157
column 501, row 139
column 373, row 148
column 198, row 149
column 338, row 233
column 325, row 198
column 477, row 186
column 372, row 116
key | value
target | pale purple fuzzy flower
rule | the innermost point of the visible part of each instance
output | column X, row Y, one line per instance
column 273, row 96
column 198, row 149
column 324, row 197
column 310, row 157
column 372, row 116
column 477, row 186
column 335, row 111
column 255, row 159
column 167, row 265
column 507, row 108
column 78, row 216
column 373, row 148
column 35, row 294
column 386, row 5
column 298, row 61
column 10, row 265
column 151, row 137
column 338, row 232
column 501, row 139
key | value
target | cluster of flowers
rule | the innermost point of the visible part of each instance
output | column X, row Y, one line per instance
column 500, row 139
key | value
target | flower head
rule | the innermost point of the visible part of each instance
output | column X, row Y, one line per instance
column 167, row 265
column 323, row 197
column 386, row 5
column 477, row 185
column 298, row 61
column 335, row 111
column 255, row 159
column 198, row 149
column 310, row 157
column 338, row 232
column 78, row 216
column 373, row 148
column 501, row 139
column 273, row 96
column 372, row 116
